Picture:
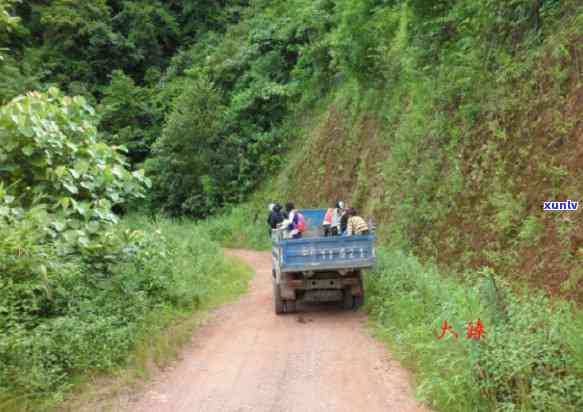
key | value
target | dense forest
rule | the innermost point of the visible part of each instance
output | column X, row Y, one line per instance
column 218, row 71
column 448, row 122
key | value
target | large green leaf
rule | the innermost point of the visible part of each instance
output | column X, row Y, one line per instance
column 71, row 188
column 28, row 150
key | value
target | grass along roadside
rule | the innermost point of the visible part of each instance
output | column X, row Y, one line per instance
column 151, row 310
column 160, row 347
column 530, row 358
column 242, row 227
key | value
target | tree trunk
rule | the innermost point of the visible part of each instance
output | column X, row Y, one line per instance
column 536, row 6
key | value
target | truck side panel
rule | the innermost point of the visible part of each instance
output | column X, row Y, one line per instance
column 326, row 253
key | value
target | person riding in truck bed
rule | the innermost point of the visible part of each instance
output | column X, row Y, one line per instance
column 356, row 224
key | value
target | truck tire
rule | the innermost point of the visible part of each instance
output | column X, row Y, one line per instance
column 290, row 306
column 348, row 299
column 359, row 300
column 277, row 300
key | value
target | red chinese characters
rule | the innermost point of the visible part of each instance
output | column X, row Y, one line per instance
column 473, row 332
column 444, row 328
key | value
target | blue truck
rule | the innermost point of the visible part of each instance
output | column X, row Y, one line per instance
column 315, row 268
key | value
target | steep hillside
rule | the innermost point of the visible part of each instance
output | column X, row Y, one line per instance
column 455, row 157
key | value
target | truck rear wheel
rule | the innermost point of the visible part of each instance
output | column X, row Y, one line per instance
column 277, row 300
column 359, row 299
column 290, row 306
column 348, row 299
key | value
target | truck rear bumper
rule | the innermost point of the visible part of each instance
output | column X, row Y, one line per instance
column 290, row 287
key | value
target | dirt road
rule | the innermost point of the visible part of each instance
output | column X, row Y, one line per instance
column 248, row 359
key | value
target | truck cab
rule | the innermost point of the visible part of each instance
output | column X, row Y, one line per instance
column 315, row 268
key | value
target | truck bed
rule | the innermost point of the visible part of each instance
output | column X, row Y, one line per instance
column 314, row 253
column 324, row 253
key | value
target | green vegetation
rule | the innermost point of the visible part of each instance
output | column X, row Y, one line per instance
column 111, row 52
column 452, row 125
column 530, row 358
column 71, row 320
column 51, row 155
column 79, row 291
column 449, row 122
column 241, row 227
column 184, row 181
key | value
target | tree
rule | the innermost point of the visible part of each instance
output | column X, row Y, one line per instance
column 126, row 115
column 192, row 162
column 78, row 41
column 151, row 31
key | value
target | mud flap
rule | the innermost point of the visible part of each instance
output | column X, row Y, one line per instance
column 348, row 299
column 277, row 300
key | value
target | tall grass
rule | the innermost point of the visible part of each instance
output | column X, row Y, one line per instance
column 241, row 227
column 530, row 357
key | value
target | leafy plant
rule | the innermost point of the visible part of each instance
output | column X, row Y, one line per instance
column 50, row 151
column 61, row 318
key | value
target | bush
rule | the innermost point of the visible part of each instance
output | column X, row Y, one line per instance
column 78, row 291
column 62, row 316
column 51, row 154
column 71, row 320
